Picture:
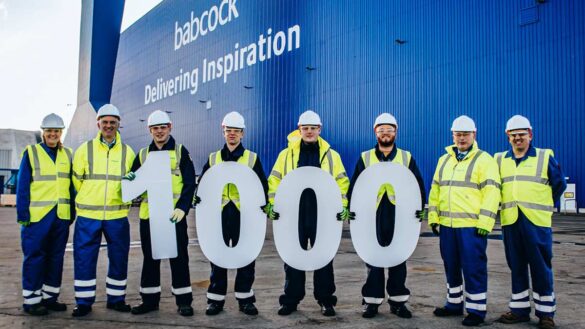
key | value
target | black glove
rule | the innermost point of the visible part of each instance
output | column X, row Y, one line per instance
column 196, row 201
column 435, row 228
column 421, row 214
column 268, row 209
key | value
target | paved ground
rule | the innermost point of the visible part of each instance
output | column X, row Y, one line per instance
column 426, row 281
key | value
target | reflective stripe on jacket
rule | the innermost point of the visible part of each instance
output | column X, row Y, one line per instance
column 50, row 182
column 288, row 159
column 97, row 175
column 402, row 157
column 526, row 186
column 176, row 178
column 465, row 193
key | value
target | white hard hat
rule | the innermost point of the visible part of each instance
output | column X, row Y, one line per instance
column 385, row 119
column 52, row 121
column 518, row 122
column 234, row 120
column 158, row 117
column 309, row 118
column 463, row 123
column 108, row 109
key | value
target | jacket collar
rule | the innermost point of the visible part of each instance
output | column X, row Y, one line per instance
column 530, row 153
column 168, row 146
column 451, row 150
column 391, row 155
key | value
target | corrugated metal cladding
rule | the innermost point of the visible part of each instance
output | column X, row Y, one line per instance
column 426, row 62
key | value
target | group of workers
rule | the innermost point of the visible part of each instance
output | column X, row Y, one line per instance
column 468, row 190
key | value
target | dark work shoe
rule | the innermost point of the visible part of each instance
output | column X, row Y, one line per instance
column 248, row 309
column 370, row 311
column 327, row 310
column 81, row 310
column 511, row 318
column 185, row 310
column 472, row 320
column 546, row 322
column 401, row 311
column 213, row 308
column 144, row 308
column 119, row 307
column 443, row 311
column 287, row 309
column 36, row 310
column 55, row 306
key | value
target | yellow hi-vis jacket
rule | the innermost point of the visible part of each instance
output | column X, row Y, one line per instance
column 230, row 191
column 50, row 182
column 402, row 157
column 526, row 187
column 97, row 176
column 287, row 161
column 465, row 193
column 176, row 178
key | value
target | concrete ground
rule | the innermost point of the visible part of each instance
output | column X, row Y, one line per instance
column 426, row 281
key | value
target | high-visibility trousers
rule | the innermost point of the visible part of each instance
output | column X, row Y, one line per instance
column 529, row 247
column 230, row 222
column 43, row 246
column 86, row 245
column 150, row 280
column 464, row 257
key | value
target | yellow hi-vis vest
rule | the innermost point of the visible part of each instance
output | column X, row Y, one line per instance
column 526, row 187
column 402, row 157
column 288, row 160
column 230, row 191
column 176, row 178
column 50, row 182
column 97, row 176
column 465, row 193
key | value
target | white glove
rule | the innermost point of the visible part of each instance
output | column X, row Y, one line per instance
column 177, row 215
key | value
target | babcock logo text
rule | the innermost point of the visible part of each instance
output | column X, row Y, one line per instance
column 206, row 23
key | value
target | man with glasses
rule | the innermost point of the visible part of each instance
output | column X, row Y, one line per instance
column 233, row 131
column 309, row 151
column 98, row 168
column 532, row 182
column 385, row 129
column 183, row 186
column 463, row 202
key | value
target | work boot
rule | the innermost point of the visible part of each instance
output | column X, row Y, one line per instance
column 55, row 306
column 144, row 308
column 287, row 309
column 472, row 320
column 213, row 308
column 36, row 310
column 185, row 310
column 401, row 311
column 120, row 306
column 327, row 310
column 443, row 311
column 81, row 310
column 370, row 311
column 546, row 322
column 511, row 318
column 248, row 309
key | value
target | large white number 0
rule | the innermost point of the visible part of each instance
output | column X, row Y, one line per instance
column 252, row 219
column 154, row 177
column 363, row 202
column 286, row 229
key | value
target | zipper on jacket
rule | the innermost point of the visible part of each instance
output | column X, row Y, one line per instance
column 107, row 174
column 450, row 183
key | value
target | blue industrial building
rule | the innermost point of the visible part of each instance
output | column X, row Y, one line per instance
column 425, row 61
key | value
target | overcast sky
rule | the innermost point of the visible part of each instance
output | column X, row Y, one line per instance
column 39, row 51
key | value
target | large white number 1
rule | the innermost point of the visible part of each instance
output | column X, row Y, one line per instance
column 154, row 177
